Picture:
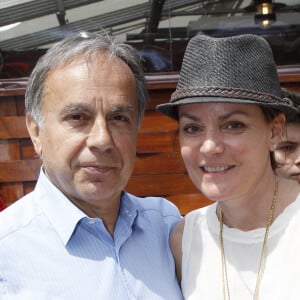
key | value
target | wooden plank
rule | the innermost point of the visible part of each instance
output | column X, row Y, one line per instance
column 13, row 86
column 161, row 185
column 7, row 106
column 10, row 192
column 289, row 73
column 20, row 102
column 13, row 127
column 189, row 202
column 155, row 81
column 293, row 87
column 157, row 97
column 154, row 142
column 12, row 92
column 159, row 163
column 9, row 149
column 19, row 170
column 162, row 80
column 27, row 150
column 154, row 121
column 28, row 186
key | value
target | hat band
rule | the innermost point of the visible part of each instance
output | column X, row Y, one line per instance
column 211, row 91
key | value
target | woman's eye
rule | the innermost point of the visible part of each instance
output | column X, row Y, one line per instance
column 191, row 129
column 235, row 125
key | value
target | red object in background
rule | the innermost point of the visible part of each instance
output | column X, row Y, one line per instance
column 2, row 204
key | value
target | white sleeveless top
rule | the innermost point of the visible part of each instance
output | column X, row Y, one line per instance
column 202, row 265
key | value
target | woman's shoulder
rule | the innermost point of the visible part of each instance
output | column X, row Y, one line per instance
column 199, row 214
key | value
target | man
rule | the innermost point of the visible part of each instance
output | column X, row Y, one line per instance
column 287, row 153
column 79, row 235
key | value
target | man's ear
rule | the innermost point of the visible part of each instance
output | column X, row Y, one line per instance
column 277, row 127
column 34, row 132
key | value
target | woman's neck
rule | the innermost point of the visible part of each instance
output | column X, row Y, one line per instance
column 253, row 210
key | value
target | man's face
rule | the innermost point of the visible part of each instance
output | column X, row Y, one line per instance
column 287, row 154
column 88, row 137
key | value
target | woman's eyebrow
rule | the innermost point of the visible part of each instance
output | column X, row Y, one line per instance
column 225, row 116
column 189, row 116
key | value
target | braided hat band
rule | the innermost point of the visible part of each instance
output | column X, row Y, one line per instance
column 228, row 93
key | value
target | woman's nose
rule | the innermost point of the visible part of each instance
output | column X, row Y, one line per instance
column 212, row 145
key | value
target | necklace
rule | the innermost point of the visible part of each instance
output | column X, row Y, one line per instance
column 226, row 293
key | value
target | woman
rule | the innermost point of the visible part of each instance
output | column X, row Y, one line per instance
column 287, row 153
column 231, row 115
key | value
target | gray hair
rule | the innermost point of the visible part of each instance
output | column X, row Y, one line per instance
column 85, row 45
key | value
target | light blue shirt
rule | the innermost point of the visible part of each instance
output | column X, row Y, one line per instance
column 49, row 249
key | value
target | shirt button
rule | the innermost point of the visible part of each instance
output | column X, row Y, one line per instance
column 91, row 222
column 128, row 213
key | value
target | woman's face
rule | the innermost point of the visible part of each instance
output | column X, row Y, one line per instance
column 226, row 147
column 287, row 153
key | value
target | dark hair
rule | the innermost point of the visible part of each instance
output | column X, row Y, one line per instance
column 85, row 45
column 270, row 113
column 293, row 118
column 295, row 98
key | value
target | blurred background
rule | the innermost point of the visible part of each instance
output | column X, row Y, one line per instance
column 158, row 29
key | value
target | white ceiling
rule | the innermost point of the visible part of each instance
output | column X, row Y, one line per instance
column 92, row 16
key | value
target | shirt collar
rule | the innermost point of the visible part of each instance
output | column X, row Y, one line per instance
column 64, row 215
column 128, row 209
column 60, row 211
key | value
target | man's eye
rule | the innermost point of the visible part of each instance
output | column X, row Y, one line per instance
column 76, row 117
column 287, row 148
column 120, row 118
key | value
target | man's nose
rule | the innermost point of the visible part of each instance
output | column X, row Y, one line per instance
column 297, row 156
column 100, row 136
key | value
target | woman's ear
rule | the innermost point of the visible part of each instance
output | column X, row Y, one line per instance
column 34, row 132
column 277, row 131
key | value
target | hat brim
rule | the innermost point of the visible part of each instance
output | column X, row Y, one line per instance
column 171, row 109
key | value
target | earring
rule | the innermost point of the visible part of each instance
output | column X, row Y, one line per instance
column 273, row 147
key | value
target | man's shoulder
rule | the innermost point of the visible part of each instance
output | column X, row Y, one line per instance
column 159, row 204
column 17, row 216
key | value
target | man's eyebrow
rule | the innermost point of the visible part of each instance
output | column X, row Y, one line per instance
column 122, row 109
column 76, row 108
column 83, row 108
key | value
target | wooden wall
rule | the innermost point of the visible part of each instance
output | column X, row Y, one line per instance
column 159, row 169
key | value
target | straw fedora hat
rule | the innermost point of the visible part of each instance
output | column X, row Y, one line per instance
column 237, row 69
